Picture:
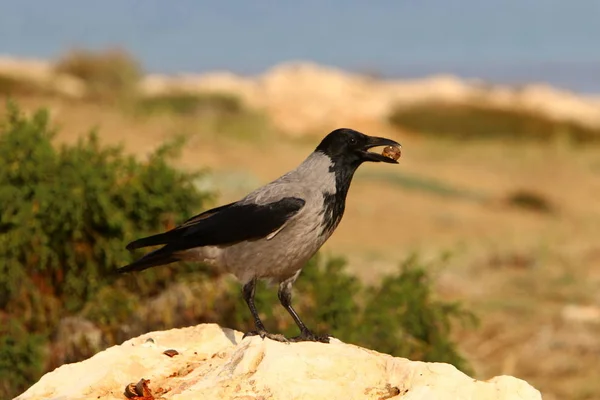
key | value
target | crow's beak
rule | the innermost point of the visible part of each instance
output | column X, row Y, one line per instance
column 374, row 141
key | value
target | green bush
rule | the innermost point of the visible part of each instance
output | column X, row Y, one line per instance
column 473, row 121
column 404, row 318
column 21, row 357
column 108, row 74
column 68, row 212
column 66, row 216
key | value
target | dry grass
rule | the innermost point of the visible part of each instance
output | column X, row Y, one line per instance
column 108, row 74
column 11, row 86
column 480, row 122
column 517, row 269
column 183, row 103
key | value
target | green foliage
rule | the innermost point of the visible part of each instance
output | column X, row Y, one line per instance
column 403, row 317
column 474, row 121
column 109, row 74
column 21, row 357
column 65, row 217
column 69, row 212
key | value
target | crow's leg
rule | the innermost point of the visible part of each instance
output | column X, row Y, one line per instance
column 285, row 297
column 248, row 293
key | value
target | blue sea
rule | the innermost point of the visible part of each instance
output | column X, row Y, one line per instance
column 508, row 41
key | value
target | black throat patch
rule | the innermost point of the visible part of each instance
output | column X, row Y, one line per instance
column 334, row 204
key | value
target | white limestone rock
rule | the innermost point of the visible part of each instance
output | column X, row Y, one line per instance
column 215, row 363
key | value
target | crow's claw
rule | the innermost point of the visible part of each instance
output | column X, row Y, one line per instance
column 308, row 336
column 264, row 334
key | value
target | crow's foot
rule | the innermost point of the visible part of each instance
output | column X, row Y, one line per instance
column 264, row 334
column 308, row 336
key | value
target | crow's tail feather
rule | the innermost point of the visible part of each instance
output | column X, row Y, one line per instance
column 152, row 259
column 161, row 238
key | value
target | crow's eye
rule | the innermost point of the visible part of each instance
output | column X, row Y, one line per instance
column 352, row 141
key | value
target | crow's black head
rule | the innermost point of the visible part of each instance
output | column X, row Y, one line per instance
column 347, row 147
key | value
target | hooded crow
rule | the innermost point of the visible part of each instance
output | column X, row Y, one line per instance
column 272, row 232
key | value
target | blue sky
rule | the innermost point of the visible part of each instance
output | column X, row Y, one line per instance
column 510, row 40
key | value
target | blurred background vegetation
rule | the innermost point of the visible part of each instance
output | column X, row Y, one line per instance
column 510, row 195
column 484, row 122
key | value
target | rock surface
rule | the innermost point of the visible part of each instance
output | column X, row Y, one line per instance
column 215, row 363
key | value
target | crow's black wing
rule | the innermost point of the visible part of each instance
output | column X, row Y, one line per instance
column 223, row 225
column 227, row 224
column 166, row 237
